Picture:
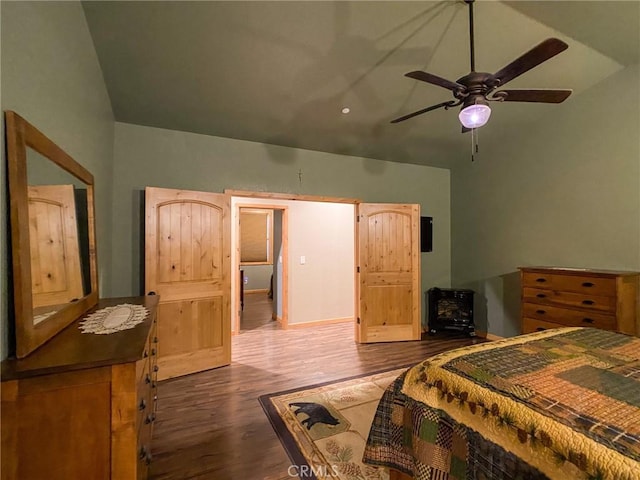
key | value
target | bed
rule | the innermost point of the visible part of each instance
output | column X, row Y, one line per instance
column 561, row 403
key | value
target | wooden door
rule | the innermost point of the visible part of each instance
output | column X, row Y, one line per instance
column 56, row 276
column 187, row 263
column 389, row 273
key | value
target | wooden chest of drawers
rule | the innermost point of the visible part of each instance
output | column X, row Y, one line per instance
column 82, row 405
column 557, row 297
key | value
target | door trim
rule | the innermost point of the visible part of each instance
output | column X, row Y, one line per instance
column 290, row 196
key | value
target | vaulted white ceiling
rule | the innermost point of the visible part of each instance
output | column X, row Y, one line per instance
column 281, row 72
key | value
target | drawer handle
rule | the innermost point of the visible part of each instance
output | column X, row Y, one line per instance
column 156, row 368
column 148, row 458
column 147, row 379
column 540, row 329
column 142, row 405
column 151, row 293
column 541, row 312
column 155, row 339
column 541, row 280
column 588, row 284
column 155, row 398
column 541, row 295
column 588, row 320
column 145, row 354
column 150, row 418
column 153, row 351
column 588, row 302
column 143, row 452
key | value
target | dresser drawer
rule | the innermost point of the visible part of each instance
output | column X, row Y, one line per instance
column 569, row 317
column 569, row 299
column 146, row 395
column 530, row 325
column 147, row 417
column 602, row 286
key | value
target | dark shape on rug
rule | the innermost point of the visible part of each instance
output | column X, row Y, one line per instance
column 316, row 413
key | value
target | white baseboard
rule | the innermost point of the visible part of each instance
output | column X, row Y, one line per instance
column 318, row 323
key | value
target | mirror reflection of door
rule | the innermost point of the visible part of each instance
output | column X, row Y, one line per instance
column 56, row 273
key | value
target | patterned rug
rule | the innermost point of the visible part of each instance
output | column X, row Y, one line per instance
column 323, row 428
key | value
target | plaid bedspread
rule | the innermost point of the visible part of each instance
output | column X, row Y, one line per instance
column 561, row 403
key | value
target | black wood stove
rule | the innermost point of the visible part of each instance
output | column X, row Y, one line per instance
column 450, row 309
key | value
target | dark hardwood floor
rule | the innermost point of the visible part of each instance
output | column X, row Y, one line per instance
column 210, row 424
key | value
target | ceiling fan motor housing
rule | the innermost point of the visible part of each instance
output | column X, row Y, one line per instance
column 476, row 83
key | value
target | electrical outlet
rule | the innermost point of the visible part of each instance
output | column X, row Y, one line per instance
column 303, row 260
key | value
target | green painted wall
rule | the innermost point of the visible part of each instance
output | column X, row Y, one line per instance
column 51, row 77
column 146, row 156
column 563, row 192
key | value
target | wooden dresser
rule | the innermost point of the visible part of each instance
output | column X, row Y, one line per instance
column 82, row 406
column 561, row 297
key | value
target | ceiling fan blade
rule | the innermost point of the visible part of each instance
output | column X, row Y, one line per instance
column 541, row 96
column 534, row 57
column 435, row 80
column 424, row 110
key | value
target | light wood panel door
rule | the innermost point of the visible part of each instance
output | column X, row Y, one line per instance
column 389, row 272
column 56, row 276
column 187, row 263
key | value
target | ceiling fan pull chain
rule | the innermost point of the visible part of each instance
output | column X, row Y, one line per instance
column 473, row 136
column 474, row 143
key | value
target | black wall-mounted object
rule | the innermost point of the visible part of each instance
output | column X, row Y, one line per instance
column 426, row 234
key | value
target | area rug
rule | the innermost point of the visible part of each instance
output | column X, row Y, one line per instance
column 324, row 428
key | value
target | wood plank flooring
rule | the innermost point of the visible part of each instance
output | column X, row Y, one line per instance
column 210, row 424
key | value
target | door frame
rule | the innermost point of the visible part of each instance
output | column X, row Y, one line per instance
column 235, row 264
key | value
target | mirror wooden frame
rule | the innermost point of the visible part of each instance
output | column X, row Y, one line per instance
column 20, row 135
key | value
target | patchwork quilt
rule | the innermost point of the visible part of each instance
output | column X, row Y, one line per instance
column 562, row 403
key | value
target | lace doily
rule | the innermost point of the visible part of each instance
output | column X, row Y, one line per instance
column 114, row 319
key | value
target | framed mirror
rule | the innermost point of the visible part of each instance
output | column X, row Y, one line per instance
column 53, row 242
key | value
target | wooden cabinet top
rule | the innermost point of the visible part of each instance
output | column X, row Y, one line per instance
column 579, row 271
column 73, row 350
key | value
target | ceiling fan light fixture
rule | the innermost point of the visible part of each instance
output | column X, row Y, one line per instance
column 475, row 115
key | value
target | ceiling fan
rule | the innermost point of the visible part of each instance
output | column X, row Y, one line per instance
column 476, row 89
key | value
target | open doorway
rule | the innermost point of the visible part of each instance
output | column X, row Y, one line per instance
column 261, row 244
column 314, row 273
column 260, row 283
column 347, row 261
